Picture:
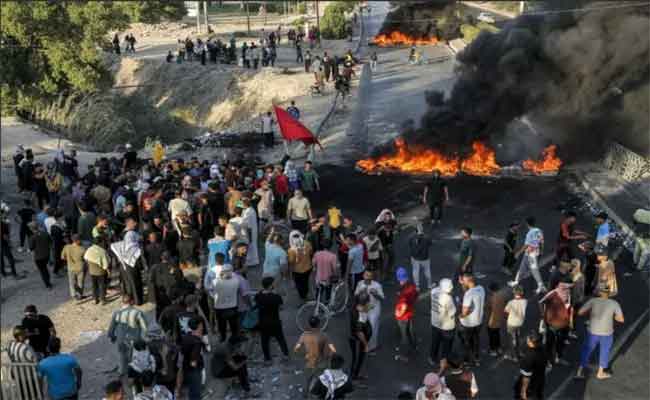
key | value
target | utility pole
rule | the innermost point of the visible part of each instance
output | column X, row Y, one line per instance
column 248, row 19
column 317, row 24
column 205, row 16
column 198, row 17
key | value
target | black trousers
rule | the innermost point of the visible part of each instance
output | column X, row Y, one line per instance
column 241, row 373
column 555, row 343
column 268, row 139
column 441, row 343
column 132, row 282
column 509, row 260
column 302, row 283
column 435, row 211
column 227, row 317
column 471, row 339
column 99, row 287
column 24, row 233
column 6, row 253
column 45, row 274
column 268, row 332
column 494, row 336
column 358, row 356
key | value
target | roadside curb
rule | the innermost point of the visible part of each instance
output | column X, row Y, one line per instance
column 600, row 200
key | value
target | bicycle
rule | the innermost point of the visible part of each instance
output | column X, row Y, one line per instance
column 337, row 303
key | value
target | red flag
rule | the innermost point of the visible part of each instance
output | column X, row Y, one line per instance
column 292, row 129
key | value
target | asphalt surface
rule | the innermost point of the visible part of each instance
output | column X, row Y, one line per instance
column 487, row 205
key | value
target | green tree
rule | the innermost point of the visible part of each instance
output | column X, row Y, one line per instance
column 334, row 25
column 53, row 47
column 152, row 12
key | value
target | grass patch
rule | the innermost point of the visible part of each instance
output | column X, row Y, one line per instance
column 470, row 32
column 185, row 114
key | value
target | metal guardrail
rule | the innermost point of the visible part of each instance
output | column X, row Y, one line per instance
column 19, row 381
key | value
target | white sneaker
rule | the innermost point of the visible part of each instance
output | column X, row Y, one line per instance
column 513, row 283
column 20, row 249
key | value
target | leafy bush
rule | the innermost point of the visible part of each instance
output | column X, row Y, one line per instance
column 334, row 24
column 302, row 8
column 470, row 32
column 299, row 22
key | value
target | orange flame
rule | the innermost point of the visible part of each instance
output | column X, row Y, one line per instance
column 550, row 162
column 416, row 159
column 397, row 38
column 482, row 161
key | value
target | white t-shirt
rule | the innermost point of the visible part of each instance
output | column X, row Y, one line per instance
column 267, row 124
column 443, row 310
column 516, row 309
column 474, row 299
column 373, row 246
column 362, row 286
column 299, row 208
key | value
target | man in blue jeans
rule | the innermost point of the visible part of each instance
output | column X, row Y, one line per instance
column 62, row 373
column 602, row 311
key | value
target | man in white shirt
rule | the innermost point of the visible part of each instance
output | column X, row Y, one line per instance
column 443, row 322
column 532, row 248
column 267, row 129
column 471, row 318
column 177, row 206
column 299, row 211
column 375, row 292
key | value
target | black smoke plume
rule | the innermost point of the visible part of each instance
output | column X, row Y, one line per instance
column 584, row 76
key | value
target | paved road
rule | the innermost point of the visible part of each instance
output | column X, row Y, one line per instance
column 488, row 205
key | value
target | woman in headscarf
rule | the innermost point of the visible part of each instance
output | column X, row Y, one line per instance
column 129, row 254
column 292, row 175
column 249, row 215
column 54, row 183
column 299, row 260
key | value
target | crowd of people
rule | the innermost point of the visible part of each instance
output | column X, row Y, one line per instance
column 185, row 235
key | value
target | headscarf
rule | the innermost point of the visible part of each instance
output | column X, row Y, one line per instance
column 128, row 250
column 290, row 171
column 296, row 240
column 432, row 380
column 333, row 379
column 383, row 213
column 401, row 274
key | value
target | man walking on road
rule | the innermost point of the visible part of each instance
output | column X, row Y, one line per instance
column 375, row 293
column 533, row 247
column 267, row 129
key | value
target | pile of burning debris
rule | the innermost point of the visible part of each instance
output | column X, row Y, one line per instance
column 420, row 160
column 397, row 38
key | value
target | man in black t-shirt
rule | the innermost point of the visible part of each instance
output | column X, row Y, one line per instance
column 69, row 169
column 532, row 370
column 436, row 194
column 270, row 324
column 191, row 349
column 39, row 329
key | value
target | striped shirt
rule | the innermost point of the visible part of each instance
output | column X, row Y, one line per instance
column 127, row 324
column 20, row 352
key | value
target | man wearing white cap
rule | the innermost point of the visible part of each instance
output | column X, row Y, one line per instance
column 443, row 322
column 433, row 389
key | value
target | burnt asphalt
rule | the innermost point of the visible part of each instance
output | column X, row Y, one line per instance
column 487, row 205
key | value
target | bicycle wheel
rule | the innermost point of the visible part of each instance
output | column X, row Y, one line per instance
column 339, row 299
column 311, row 309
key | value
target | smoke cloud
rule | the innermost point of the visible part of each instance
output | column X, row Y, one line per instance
column 583, row 76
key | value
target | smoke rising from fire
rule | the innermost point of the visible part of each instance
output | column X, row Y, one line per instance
column 583, row 76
